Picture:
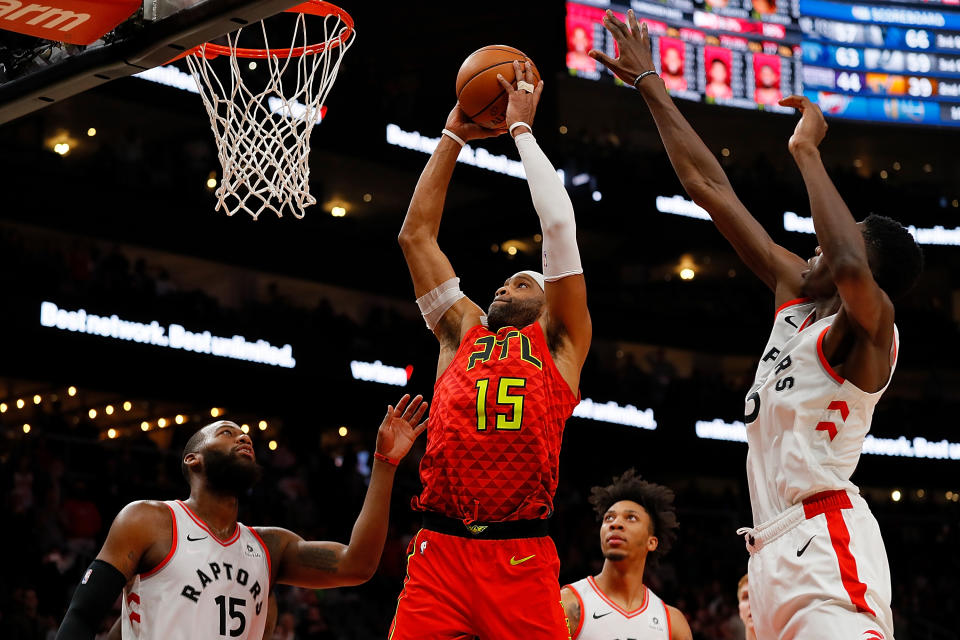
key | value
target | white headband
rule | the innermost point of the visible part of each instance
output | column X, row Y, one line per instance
column 537, row 277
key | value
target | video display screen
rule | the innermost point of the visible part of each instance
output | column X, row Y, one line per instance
column 884, row 61
column 741, row 53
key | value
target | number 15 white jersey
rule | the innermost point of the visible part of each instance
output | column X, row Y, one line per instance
column 205, row 587
column 805, row 423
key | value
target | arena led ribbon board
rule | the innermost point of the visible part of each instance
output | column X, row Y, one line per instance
column 882, row 61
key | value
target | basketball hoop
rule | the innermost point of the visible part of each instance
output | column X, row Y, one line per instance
column 262, row 126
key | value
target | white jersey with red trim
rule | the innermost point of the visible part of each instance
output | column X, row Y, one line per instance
column 602, row 619
column 205, row 587
column 805, row 423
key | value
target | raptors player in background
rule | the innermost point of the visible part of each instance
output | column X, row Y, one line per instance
column 189, row 570
column 507, row 381
column 638, row 521
column 818, row 567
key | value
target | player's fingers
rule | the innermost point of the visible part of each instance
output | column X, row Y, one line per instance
column 644, row 32
column 506, row 85
column 602, row 58
column 618, row 28
column 421, row 428
column 632, row 21
column 518, row 71
column 402, row 404
column 422, row 409
column 793, row 101
column 412, row 408
column 528, row 71
column 537, row 91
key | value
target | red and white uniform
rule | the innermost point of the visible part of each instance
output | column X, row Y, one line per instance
column 204, row 588
column 602, row 619
column 818, row 567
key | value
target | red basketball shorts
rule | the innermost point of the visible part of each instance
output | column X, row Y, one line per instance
column 491, row 589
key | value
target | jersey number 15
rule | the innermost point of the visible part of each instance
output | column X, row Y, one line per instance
column 511, row 418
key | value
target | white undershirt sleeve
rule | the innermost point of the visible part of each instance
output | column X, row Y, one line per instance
column 561, row 256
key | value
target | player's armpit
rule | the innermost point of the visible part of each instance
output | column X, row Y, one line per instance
column 569, row 325
column 571, row 607
column 679, row 627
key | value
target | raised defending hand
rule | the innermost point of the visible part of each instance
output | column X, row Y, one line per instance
column 812, row 126
column 401, row 426
column 460, row 124
column 634, row 45
column 521, row 100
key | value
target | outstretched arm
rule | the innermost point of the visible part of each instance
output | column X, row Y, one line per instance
column 322, row 565
column 866, row 310
column 428, row 265
column 697, row 168
column 567, row 320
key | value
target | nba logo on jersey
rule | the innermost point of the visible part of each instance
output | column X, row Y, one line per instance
column 252, row 552
column 86, row 576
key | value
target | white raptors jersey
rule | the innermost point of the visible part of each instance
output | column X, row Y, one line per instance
column 602, row 619
column 205, row 588
column 805, row 423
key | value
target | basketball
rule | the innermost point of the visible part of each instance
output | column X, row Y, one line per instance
column 480, row 94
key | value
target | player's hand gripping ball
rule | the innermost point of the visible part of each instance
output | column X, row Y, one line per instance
column 481, row 97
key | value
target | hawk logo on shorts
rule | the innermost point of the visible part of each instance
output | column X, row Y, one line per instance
column 476, row 529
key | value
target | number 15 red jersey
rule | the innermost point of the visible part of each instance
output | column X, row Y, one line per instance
column 493, row 444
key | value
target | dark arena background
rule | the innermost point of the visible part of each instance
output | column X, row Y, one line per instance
column 120, row 223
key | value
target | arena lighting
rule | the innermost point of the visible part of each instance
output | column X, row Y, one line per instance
column 92, row 413
column 145, row 426
column 245, row 428
column 111, row 433
column 687, row 273
column 376, row 371
column 937, row 235
column 215, row 412
column 613, row 413
column 901, row 447
column 896, row 495
column 262, row 425
column 26, row 428
column 162, row 422
column 127, row 405
column 173, row 336
column 338, row 212
column 92, row 131
column 71, row 391
column 272, row 445
column 3, row 407
column 475, row 157
column 680, row 206
column 20, row 403
column 108, row 410
column 343, row 432
column 37, row 399
column 180, row 419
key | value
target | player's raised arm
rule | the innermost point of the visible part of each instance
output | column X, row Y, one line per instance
column 131, row 542
column 445, row 309
column 564, row 288
column 321, row 565
column 697, row 168
column 842, row 244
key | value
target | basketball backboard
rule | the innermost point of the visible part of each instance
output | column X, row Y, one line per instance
column 49, row 53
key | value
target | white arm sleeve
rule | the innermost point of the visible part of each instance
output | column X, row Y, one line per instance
column 561, row 257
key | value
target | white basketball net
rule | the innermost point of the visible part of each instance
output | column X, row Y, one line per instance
column 263, row 134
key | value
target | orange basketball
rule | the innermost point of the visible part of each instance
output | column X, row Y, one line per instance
column 480, row 94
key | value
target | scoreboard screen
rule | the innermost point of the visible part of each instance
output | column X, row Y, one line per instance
column 884, row 61
column 741, row 53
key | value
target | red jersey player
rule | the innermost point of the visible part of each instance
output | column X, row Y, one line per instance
column 507, row 380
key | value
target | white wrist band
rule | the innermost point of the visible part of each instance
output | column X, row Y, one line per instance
column 519, row 124
column 453, row 136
